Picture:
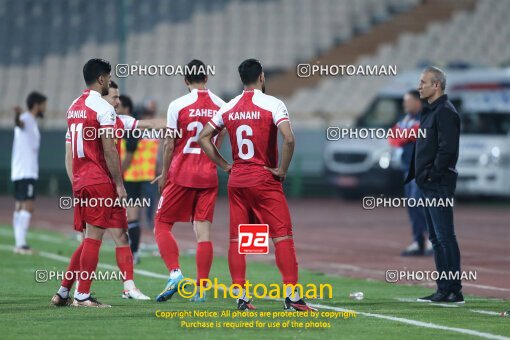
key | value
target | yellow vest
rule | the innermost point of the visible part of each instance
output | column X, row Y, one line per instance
column 143, row 165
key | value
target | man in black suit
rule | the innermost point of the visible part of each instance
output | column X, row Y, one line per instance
column 433, row 167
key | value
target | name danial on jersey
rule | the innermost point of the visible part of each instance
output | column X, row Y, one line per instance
column 202, row 112
column 244, row 115
column 76, row 114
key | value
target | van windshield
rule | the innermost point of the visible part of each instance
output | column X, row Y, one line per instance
column 384, row 112
column 485, row 123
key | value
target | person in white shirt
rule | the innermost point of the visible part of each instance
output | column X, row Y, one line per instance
column 25, row 167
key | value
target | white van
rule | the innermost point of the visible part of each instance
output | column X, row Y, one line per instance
column 482, row 98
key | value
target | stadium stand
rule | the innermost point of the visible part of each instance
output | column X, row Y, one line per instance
column 281, row 33
column 446, row 43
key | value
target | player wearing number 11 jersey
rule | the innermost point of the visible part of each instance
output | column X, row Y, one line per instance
column 255, row 193
column 95, row 174
column 189, row 182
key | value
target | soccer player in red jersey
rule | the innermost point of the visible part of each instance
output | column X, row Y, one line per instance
column 96, row 176
column 255, row 193
column 123, row 256
column 189, row 182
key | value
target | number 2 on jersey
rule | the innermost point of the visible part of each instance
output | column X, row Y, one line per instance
column 193, row 139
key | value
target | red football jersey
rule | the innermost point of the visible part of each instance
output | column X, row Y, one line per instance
column 252, row 120
column 87, row 114
column 190, row 166
column 124, row 122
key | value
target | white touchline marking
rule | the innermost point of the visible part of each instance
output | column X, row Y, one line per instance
column 346, row 267
column 474, row 285
column 103, row 265
column 426, row 303
column 39, row 237
column 485, row 312
column 467, row 284
column 53, row 239
column 446, row 305
column 418, row 323
column 61, row 258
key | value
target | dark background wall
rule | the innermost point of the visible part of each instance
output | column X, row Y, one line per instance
column 305, row 175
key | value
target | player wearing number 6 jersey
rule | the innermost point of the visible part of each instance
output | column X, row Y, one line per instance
column 189, row 182
column 255, row 193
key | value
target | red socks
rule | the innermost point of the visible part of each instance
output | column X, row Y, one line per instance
column 88, row 263
column 236, row 264
column 169, row 251
column 125, row 261
column 286, row 261
column 204, row 260
column 167, row 245
column 74, row 267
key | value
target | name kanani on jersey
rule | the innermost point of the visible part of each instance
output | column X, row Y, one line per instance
column 252, row 120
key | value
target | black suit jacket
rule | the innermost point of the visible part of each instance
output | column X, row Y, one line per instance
column 435, row 156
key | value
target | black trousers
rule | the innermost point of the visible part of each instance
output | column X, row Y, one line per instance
column 442, row 236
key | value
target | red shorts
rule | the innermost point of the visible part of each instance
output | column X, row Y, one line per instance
column 95, row 213
column 183, row 204
column 263, row 203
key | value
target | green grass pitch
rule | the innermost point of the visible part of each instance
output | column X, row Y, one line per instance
column 386, row 311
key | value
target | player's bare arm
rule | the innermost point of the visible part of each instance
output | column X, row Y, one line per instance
column 168, row 152
column 69, row 162
column 17, row 113
column 206, row 143
column 287, row 151
column 220, row 137
column 126, row 162
column 111, row 157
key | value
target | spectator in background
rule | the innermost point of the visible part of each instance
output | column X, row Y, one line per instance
column 150, row 107
column 149, row 111
column 25, row 167
column 411, row 121
column 139, row 157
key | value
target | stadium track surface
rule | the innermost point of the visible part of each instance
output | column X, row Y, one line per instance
column 339, row 237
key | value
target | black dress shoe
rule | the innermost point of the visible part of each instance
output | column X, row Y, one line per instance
column 454, row 298
column 439, row 297
column 436, row 297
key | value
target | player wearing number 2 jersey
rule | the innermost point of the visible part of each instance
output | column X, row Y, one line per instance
column 189, row 182
column 255, row 193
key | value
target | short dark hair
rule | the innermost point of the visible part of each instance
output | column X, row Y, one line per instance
column 113, row 85
column 249, row 71
column 126, row 102
column 198, row 75
column 414, row 93
column 35, row 98
column 94, row 68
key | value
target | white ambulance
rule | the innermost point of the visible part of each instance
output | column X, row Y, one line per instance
column 482, row 98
